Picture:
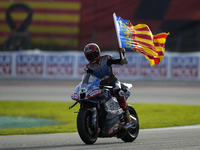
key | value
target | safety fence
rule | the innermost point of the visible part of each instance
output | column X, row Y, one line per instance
column 70, row 65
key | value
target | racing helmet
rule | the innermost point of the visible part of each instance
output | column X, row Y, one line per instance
column 92, row 52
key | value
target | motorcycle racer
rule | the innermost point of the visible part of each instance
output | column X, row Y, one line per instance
column 101, row 67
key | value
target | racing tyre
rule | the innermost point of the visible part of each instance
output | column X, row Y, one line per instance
column 84, row 127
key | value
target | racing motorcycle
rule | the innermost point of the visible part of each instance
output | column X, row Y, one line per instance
column 100, row 114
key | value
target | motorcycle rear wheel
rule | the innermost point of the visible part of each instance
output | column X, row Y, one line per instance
column 84, row 127
column 132, row 132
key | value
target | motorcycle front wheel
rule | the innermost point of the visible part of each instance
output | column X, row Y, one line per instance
column 85, row 130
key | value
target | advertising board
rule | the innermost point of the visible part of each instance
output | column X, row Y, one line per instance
column 5, row 64
column 81, row 62
column 29, row 65
column 59, row 65
column 159, row 71
column 127, row 71
column 70, row 65
column 184, row 67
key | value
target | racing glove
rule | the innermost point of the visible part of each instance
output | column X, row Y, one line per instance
column 123, row 56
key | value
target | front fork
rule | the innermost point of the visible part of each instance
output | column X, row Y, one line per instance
column 94, row 121
column 94, row 116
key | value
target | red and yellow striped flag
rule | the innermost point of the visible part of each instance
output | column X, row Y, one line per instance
column 140, row 39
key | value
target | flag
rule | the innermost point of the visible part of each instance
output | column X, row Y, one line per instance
column 140, row 39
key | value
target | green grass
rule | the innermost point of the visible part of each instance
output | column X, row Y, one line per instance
column 150, row 115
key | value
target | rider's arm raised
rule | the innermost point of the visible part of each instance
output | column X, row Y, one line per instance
column 121, row 61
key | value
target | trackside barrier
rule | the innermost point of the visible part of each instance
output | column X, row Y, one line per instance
column 69, row 65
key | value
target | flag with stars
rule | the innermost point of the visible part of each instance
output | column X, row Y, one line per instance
column 140, row 39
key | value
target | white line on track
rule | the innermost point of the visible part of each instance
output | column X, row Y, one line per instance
column 175, row 128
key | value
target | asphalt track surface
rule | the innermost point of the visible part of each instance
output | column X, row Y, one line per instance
column 175, row 92
column 180, row 92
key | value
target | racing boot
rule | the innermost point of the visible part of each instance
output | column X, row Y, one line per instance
column 127, row 118
column 124, row 106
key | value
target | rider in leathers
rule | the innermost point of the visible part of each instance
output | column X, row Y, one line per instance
column 100, row 66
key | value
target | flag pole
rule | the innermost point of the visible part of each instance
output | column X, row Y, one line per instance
column 117, row 30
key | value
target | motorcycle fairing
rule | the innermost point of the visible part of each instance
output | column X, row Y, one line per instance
column 112, row 106
column 91, row 89
column 114, row 114
column 111, row 121
column 94, row 93
column 126, row 88
column 112, row 131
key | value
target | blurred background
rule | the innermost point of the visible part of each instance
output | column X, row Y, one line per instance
column 64, row 25
column 45, row 39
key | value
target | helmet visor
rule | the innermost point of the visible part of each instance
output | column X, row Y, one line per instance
column 92, row 56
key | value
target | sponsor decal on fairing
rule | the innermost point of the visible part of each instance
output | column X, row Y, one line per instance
column 75, row 96
column 115, row 127
column 94, row 93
